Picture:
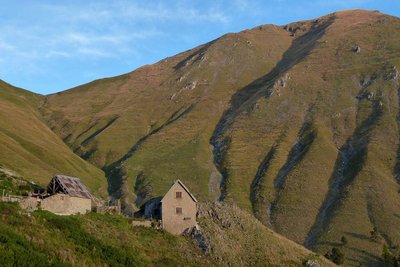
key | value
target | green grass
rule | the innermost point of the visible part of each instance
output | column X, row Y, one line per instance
column 14, row 185
column 45, row 239
column 31, row 149
column 323, row 87
column 233, row 237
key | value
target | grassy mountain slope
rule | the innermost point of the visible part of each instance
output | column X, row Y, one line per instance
column 45, row 239
column 157, row 121
column 29, row 148
column 298, row 124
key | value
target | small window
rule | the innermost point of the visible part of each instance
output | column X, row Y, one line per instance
column 178, row 210
column 178, row 194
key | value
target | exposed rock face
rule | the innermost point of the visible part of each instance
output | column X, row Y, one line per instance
column 312, row 263
column 200, row 238
column 392, row 74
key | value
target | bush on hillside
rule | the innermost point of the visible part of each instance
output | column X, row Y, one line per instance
column 335, row 255
column 389, row 258
column 344, row 240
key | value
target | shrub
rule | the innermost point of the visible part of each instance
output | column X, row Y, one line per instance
column 335, row 255
column 344, row 240
column 375, row 236
column 389, row 258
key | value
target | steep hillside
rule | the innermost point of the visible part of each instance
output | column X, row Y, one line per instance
column 299, row 124
column 234, row 237
column 158, row 120
column 29, row 148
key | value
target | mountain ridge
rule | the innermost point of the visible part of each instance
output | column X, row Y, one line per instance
column 296, row 123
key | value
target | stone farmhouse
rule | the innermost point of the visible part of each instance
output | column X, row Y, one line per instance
column 65, row 196
column 177, row 210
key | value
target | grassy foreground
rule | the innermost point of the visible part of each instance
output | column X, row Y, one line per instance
column 45, row 239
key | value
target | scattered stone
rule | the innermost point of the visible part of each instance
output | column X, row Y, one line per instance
column 190, row 86
column 368, row 80
column 392, row 75
column 180, row 79
column 312, row 263
column 281, row 83
column 142, row 223
column 197, row 235
column 356, row 49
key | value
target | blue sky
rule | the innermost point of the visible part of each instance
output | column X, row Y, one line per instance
column 49, row 46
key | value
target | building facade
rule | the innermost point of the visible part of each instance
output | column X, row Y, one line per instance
column 65, row 195
column 178, row 209
column 63, row 204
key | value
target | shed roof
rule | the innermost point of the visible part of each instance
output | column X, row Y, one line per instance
column 71, row 186
column 184, row 187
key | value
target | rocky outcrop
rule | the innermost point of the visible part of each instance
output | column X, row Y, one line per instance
column 234, row 237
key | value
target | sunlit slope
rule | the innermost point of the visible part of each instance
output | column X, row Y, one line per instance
column 29, row 148
column 158, row 120
column 298, row 124
column 315, row 153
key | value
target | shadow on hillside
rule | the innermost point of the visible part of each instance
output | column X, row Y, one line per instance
column 396, row 170
column 246, row 97
column 359, row 236
column 349, row 163
column 116, row 172
column 369, row 259
column 195, row 56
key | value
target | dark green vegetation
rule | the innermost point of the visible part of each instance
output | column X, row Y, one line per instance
column 391, row 256
column 45, row 239
column 15, row 185
column 297, row 124
column 335, row 255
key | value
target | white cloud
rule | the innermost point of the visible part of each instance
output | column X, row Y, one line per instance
column 53, row 54
column 241, row 4
column 6, row 46
column 96, row 29
column 66, row 34
column 94, row 52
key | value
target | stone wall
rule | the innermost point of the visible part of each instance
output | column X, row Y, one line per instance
column 29, row 203
column 66, row 205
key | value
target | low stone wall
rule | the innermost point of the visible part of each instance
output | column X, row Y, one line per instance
column 66, row 205
column 29, row 203
column 141, row 223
